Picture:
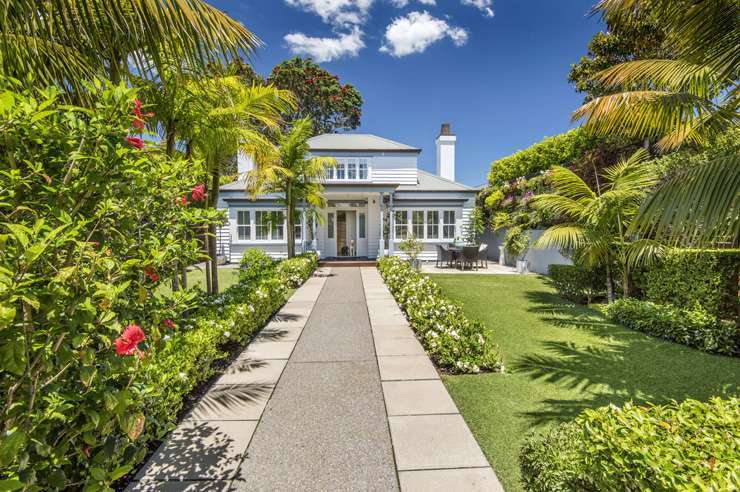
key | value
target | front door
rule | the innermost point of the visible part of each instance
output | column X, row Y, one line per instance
column 342, row 246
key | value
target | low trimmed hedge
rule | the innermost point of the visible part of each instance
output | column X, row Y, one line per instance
column 692, row 327
column 691, row 445
column 577, row 283
column 451, row 339
column 296, row 270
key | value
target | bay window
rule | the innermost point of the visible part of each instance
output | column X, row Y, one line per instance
column 425, row 224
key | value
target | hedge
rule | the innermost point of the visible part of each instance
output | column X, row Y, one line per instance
column 577, row 283
column 691, row 445
column 696, row 279
column 692, row 327
column 451, row 339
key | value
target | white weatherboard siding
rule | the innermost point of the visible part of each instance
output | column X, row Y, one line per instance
column 373, row 225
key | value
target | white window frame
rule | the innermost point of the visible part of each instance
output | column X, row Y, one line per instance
column 349, row 166
column 252, row 228
column 440, row 223
column 239, row 226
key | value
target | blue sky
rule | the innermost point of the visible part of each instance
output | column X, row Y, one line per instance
column 500, row 80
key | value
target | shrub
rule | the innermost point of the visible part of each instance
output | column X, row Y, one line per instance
column 411, row 247
column 516, row 242
column 692, row 327
column 577, row 283
column 255, row 264
column 296, row 270
column 453, row 341
column 696, row 279
column 678, row 446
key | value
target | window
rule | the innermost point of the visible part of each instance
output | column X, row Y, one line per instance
column 278, row 228
column 363, row 169
column 269, row 225
column 432, row 224
column 402, row 226
column 298, row 224
column 361, row 226
column 243, row 225
column 448, row 227
column 341, row 169
column 330, row 225
column 417, row 223
column 352, row 169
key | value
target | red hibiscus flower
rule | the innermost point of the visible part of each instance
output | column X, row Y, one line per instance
column 136, row 142
column 128, row 342
column 181, row 201
column 199, row 193
column 138, row 124
column 170, row 324
column 151, row 274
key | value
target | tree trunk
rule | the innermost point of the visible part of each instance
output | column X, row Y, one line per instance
column 291, row 229
column 209, row 288
column 625, row 281
column 609, row 284
column 213, row 200
column 175, row 281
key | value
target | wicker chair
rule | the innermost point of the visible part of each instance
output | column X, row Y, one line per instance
column 444, row 256
column 483, row 255
column 470, row 257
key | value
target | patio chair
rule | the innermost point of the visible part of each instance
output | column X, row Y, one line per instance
column 470, row 257
column 483, row 255
column 444, row 256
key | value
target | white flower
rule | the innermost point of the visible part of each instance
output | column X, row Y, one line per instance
column 183, row 376
column 166, row 337
column 227, row 334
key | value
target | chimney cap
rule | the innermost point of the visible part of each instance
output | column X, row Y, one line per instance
column 445, row 130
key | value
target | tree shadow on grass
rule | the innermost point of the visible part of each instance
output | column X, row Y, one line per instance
column 618, row 366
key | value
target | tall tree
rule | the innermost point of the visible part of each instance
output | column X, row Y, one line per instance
column 596, row 224
column 65, row 42
column 320, row 96
column 685, row 100
column 234, row 118
column 296, row 176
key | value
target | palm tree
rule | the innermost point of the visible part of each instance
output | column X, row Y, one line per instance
column 597, row 221
column 296, row 176
column 65, row 42
column 233, row 118
column 686, row 100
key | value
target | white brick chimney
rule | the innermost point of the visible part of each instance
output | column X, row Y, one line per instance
column 446, row 152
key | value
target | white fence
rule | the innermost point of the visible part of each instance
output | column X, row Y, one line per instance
column 538, row 260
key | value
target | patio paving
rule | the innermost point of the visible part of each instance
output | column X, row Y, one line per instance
column 335, row 393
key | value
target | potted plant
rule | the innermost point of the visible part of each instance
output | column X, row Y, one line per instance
column 516, row 244
column 412, row 247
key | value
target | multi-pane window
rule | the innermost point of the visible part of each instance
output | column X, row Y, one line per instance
column 417, row 224
column 243, row 225
column 361, row 226
column 269, row 225
column 278, row 228
column 341, row 169
column 297, row 224
column 352, row 169
column 448, row 225
column 363, row 169
column 402, row 224
column 432, row 224
column 330, row 225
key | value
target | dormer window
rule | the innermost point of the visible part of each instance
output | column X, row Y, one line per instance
column 350, row 169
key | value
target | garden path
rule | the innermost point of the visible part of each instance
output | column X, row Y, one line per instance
column 335, row 393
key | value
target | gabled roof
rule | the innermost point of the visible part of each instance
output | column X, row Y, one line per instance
column 357, row 142
column 431, row 182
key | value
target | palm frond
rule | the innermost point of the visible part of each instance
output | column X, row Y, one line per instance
column 568, row 183
column 643, row 252
column 558, row 205
column 696, row 207
column 666, row 75
column 565, row 237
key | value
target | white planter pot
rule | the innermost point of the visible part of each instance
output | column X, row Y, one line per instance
column 501, row 256
column 416, row 264
column 521, row 266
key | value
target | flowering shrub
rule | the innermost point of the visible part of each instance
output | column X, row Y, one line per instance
column 296, row 270
column 453, row 341
column 692, row 327
column 255, row 264
column 679, row 446
column 88, row 231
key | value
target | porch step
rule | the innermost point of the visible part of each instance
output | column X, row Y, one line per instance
column 347, row 263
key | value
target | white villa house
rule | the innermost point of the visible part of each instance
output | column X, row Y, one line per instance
column 377, row 196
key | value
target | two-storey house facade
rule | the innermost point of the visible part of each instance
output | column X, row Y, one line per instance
column 377, row 196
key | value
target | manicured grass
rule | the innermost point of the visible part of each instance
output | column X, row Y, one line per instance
column 561, row 359
column 197, row 278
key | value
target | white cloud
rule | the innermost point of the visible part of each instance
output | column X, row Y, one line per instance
column 402, row 3
column 326, row 49
column 416, row 31
column 485, row 6
column 336, row 12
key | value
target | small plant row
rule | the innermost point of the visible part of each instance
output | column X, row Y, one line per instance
column 688, row 326
column 677, row 446
column 451, row 339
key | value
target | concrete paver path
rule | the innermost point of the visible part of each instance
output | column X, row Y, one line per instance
column 336, row 393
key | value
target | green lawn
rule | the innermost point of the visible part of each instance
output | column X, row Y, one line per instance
column 197, row 278
column 561, row 359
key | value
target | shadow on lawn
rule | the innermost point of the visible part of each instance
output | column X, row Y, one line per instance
column 620, row 365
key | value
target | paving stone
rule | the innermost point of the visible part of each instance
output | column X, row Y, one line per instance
column 410, row 367
column 398, row 346
column 292, row 316
column 381, row 305
column 344, row 286
column 325, row 428
column 250, row 371
column 279, row 332
column 232, row 402
column 264, row 350
column 198, row 450
column 393, row 331
column 307, row 293
column 388, row 318
column 467, row 479
column 180, row 486
column 417, row 398
column 425, row 442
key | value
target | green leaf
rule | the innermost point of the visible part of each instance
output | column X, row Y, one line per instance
column 10, row 484
column 12, row 357
column 7, row 315
column 10, row 446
